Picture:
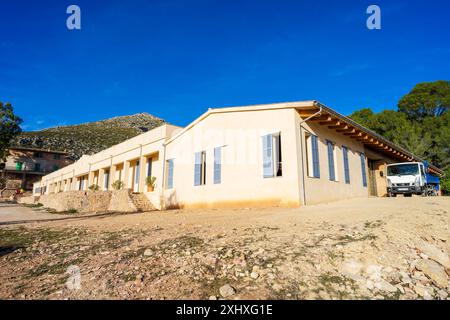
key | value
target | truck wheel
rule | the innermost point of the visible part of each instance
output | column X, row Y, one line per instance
column 409, row 195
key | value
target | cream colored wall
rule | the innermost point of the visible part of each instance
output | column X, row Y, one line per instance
column 318, row 190
column 88, row 167
column 240, row 134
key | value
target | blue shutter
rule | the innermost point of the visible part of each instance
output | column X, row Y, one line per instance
column 363, row 169
column 315, row 157
column 346, row 169
column 170, row 174
column 267, row 156
column 330, row 147
column 217, row 165
column 197, row 168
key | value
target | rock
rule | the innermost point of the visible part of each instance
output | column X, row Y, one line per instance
column 443, row 294
column 421, row 291
column 434, row 271
column 352, row 269
column 400, row 288
column 277, row 287
column 423, row 256
column 226, row 291
column 434, row 253
column 383, row 285
column 148, row 252
column 254, row 275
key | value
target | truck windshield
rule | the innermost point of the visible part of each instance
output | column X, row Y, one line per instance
column 403, row 169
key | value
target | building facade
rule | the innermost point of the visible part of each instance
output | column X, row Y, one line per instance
column 25, row 166
column 286, row 154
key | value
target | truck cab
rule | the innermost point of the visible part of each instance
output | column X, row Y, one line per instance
column 406, row 178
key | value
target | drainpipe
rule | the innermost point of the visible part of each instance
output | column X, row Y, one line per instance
column 301, row 150
column 163, row 183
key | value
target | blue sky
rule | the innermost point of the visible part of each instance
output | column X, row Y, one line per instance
column 174, row 58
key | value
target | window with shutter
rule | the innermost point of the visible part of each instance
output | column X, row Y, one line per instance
column 331, row 168
column 170, row 168
column 315, row 156
column 363, row 169
column 267, row 156
column 346, row 166
column 200, row 168
column 217, row 165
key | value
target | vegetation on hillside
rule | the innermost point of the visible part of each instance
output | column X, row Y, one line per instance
column 9, row 128
column 89, row 138
column 421, row 124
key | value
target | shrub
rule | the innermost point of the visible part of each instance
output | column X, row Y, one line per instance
column 94, row 187
column 72, row 210
column 118, row 185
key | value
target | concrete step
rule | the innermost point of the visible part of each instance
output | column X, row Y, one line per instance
column 141, row 202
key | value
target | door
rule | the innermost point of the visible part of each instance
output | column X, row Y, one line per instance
column 372, row 178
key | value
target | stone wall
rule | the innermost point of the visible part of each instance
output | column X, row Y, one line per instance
column 86, row 201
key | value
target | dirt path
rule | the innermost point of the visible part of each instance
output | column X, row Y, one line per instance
column 364, row 248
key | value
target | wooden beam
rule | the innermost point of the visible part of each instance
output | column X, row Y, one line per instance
column 336, row 124
column 353, row 131
column 344, row 129
column 321, row 118
column 326, row 121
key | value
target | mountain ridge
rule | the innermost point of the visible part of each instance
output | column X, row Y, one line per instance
column 88, row 137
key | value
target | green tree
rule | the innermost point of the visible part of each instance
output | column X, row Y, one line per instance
column 428, row 99
column 421, row 124
column 9, row 128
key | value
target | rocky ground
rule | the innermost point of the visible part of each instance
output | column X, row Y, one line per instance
column 393, row 248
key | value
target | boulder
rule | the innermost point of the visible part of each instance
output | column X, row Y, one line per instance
column 434, row 271
column 434, row 253
column 226, row 291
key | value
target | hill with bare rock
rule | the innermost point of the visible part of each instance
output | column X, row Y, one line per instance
column 91, row 137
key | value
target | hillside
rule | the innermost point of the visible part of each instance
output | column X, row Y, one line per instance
column 91, row 137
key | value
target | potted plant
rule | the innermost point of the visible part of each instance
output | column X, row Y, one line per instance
column 118, row 185
column 94, row 187
column 150, row 182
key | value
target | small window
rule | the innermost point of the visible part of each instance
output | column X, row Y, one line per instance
column 38, row 154
column 37, row 167
column 272, row 160
column 363, row 169
column 170, row 169
column 217, row 165
column 56, row 156
column 55, row 167
column 312, row 155
column 200, row 168
column 346, row 166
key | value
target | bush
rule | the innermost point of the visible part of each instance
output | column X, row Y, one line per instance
column 94, row 187
column 150, row 181
column 72, row 210
column 118, row 185
column 445, row 182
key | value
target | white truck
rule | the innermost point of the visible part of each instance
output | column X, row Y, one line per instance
column 410, row 178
